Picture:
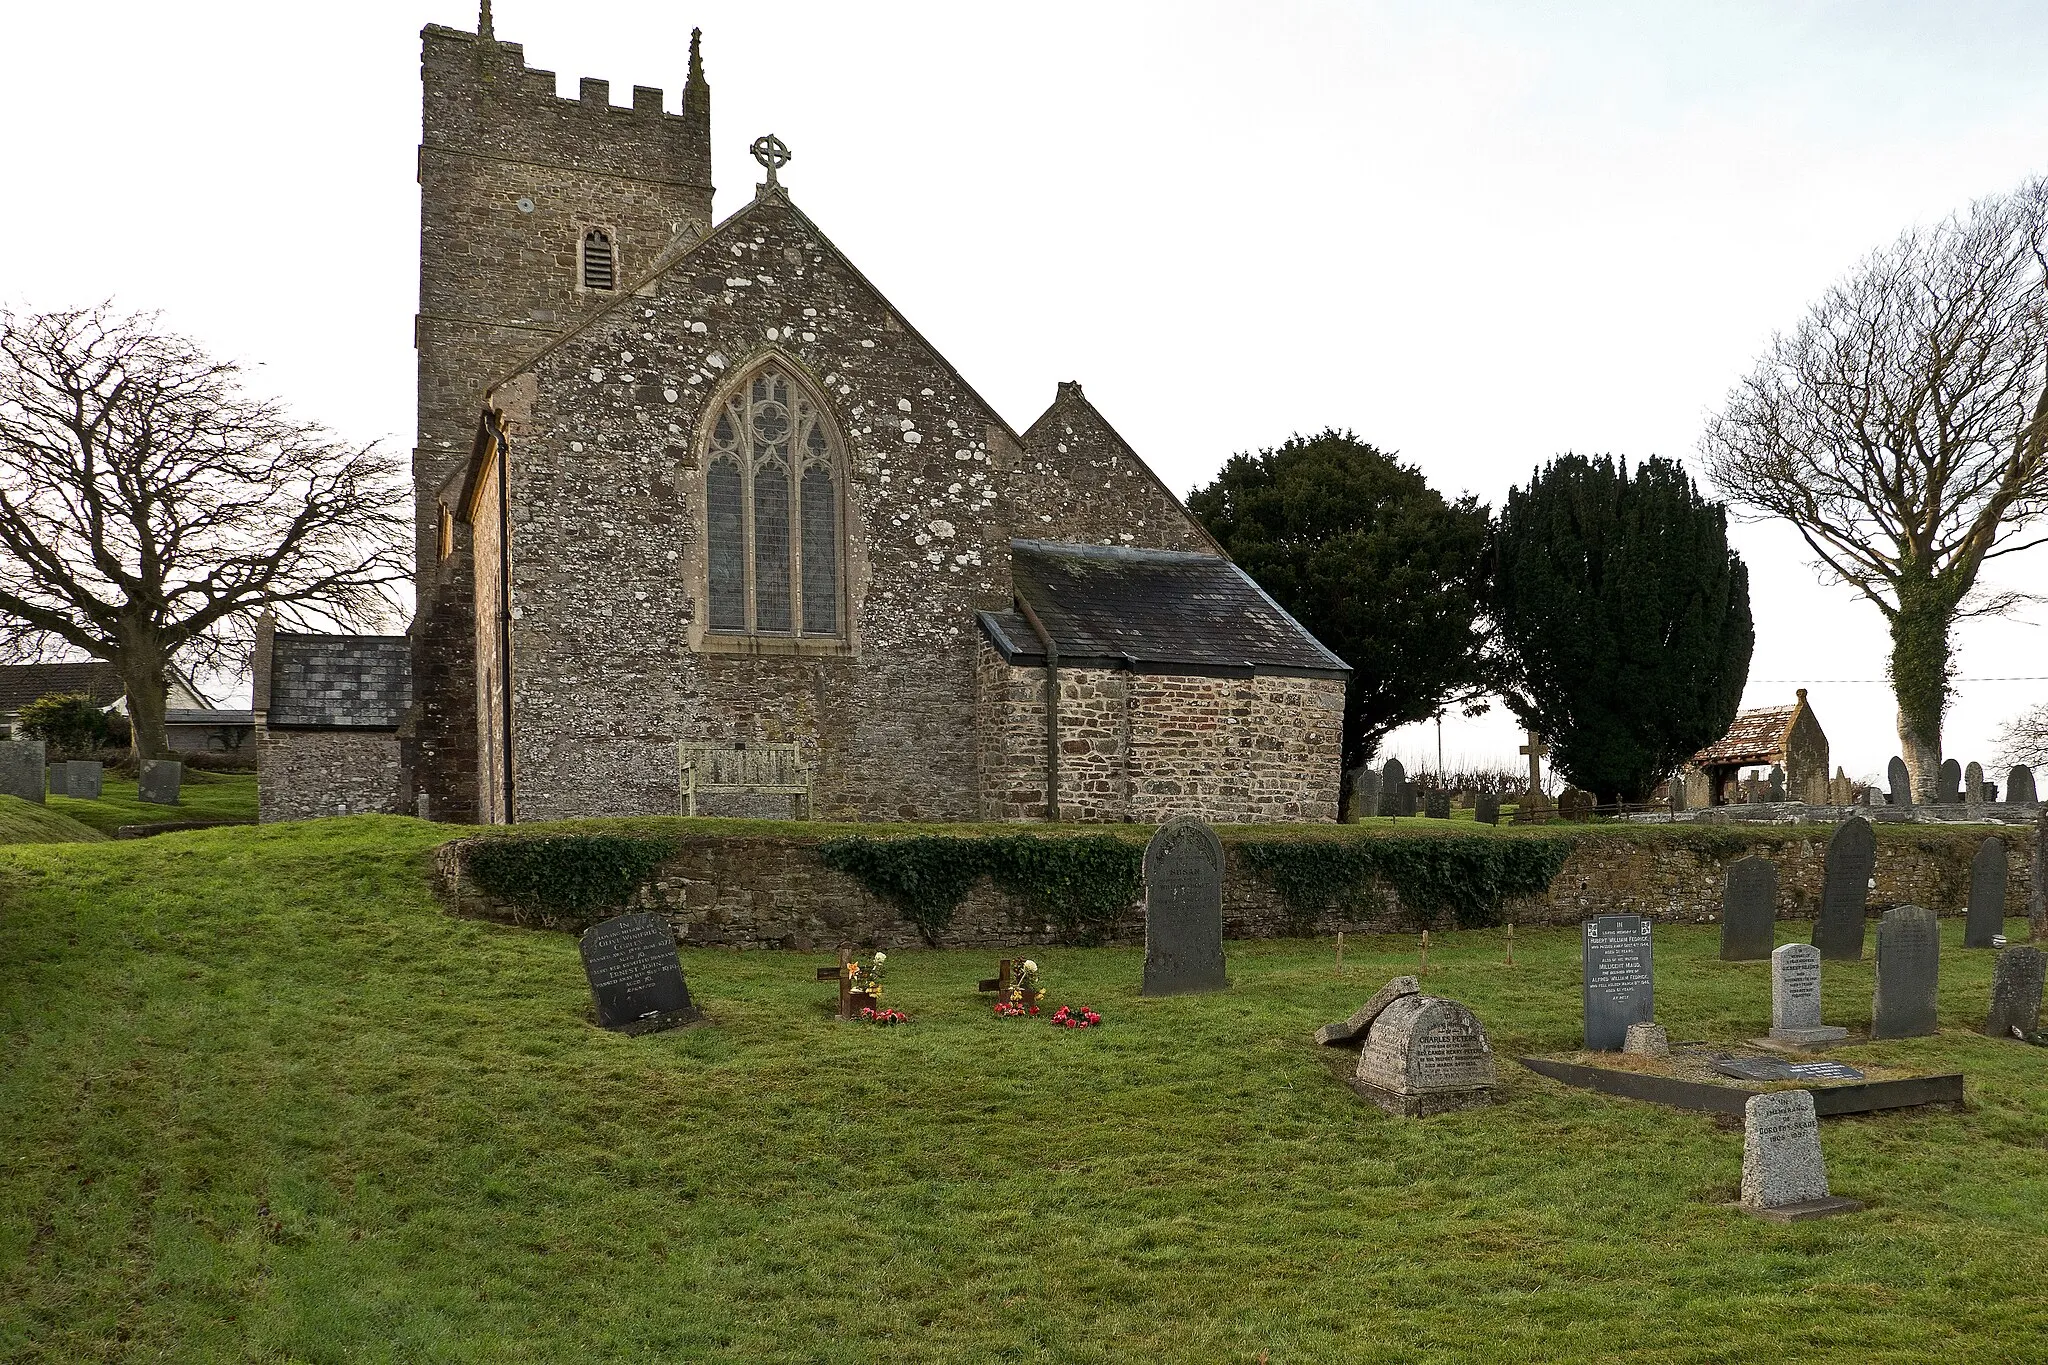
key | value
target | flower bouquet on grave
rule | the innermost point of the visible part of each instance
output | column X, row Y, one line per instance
column 866, row 995
column 876, row 1016
column 1076, row 1016
column 1021, row 999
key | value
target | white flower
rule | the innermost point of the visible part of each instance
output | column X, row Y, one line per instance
column 880, row 958
column 1029, row 965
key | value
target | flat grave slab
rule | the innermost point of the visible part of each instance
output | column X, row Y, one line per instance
column 1690, row 1078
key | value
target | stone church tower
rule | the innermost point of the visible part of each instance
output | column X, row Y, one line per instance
column 532, row 207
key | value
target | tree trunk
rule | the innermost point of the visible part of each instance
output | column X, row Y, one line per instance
column 1919, row 669
column 144, row 670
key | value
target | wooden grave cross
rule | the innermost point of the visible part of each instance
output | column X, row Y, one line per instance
column 1000, row 982
column 844, row 976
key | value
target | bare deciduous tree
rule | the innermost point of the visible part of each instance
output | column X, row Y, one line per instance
column 149, row 509
column 2024, row 738
column 1902, row 427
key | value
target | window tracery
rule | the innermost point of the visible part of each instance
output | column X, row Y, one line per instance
column 772, row 512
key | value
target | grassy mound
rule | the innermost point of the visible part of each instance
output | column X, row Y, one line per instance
column 24, row 822
column 201, row 796
column 263, row 1100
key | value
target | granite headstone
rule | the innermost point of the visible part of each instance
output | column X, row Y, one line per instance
column 1354, row 1028
column 1973, row 784
column 635, row 977
column 1425, row 1055
column 80, row 779
column 1948, row 784
column 1486, row 810
column 22, row 762
column 1900, row 781
column 1987, row 895
column 2019, row 786
column 1777, row 784
column 1393, row 786
column 1795, row 998
column 1783, row 1175
column 2016, row 992
column 1749, row 910
column 1619, row 987
column 159, row 781
column 1365, row 792
column 1437, row 804
column 1908, row 968
column 1183, row 910
column 1852, row 857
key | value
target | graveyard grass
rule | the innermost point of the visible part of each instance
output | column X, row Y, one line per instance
column 264, row 1100
column 202, row 796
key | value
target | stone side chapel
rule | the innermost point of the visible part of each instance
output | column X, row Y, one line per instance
column 732, row 497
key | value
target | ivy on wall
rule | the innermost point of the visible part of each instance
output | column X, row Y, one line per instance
column 570, row 876
column 1467, row 880
column 1083, row 884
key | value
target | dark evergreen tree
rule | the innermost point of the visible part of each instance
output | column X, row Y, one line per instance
column 1372, row 560
column 1623, row 628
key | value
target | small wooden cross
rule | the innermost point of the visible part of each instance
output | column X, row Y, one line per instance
column 1423, row 970
column 1511, row 945
column 844, row 976
column 1000, row 983
column 1340, row 952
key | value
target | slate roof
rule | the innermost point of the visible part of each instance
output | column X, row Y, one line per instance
column 339, row 682
column 177, row 715
column 1168, row 611
column 21, row 684
column 1755, row 737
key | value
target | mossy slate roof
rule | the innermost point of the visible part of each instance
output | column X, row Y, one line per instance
column 21, row 684
column 1170, row 611
column 339, row 682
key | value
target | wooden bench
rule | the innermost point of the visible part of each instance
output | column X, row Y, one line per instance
column 764, row 769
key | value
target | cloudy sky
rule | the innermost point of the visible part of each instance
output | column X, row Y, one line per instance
column 1476, row 234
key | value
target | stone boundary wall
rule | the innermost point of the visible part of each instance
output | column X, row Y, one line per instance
column 772, row 891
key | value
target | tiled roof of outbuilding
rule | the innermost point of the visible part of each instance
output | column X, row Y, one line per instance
column 340, row 682
column 21, row 684
column 1755, row 737
column 1157, row 610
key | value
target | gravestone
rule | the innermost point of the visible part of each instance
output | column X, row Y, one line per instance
column 1783, row 1176
column 1749, row 910
column 1777, row 784
column 2019, row 786
column 1795, row 998
column 21, row 769
column 1908, row 966
column 2016, row 992
column 1411, row 798
column 1619, row 988
column 1771, row 1069
column 1393, row 786
column 1365, row 793
column 1574, row 804
column 80, row 779
column 1354, row 1028
column 1425, row 1055
column 1900, row 781
column 1439, row 804
column 1852, row 857
column 1948, row 784
column 1487, row 810
column 2037, row 892
column 635, row 977
column 1987, row 895
column 1674, row 791
column 159, row 781
column 1973, row 784
column 1183, row 910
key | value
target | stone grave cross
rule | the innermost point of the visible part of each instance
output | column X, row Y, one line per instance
column 1537, row 751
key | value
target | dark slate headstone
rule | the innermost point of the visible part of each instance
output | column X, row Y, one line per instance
column 2019, row 786
column 1771, row 1069
column 1487, row 810
column 634, row 974
column 1777, row 784
column 21, row 768
column 1987, row 895
column 1619, row 986
column 1183, row 910
column 1439, row 804
column 1393, row 786
column 1948, row 786
column 1908, row 966
column 1749, row 910
column 2016, row 992
column 1365, row 793
column 159, row 781
column 1900, row 781
column 79, row 778
column 1852, row 857
column 1411, row 798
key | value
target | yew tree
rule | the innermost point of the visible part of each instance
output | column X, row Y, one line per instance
column 1902, row 428
column 1376, row 564
column 1622, row 623
column 150, row 509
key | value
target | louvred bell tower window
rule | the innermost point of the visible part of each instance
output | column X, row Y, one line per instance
column 772, row 509
column 600, row 266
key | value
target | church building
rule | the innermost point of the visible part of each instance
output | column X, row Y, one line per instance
column 704, row 523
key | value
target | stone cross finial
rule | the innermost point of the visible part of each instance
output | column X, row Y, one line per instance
column 772, row 152
column 483, row 19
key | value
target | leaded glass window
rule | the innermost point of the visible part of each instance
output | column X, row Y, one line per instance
column 773, row 513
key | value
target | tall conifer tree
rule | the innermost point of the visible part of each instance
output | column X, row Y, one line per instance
column 1623, row 631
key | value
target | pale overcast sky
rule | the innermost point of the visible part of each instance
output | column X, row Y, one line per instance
column 1476, row 234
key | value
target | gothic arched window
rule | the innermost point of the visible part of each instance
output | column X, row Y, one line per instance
column 771, row 502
